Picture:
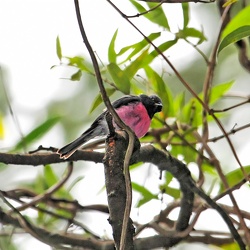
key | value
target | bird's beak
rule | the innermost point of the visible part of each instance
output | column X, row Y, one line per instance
column 158, row 107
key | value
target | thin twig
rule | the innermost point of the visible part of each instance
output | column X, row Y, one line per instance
column 118, row 121
column 231, row 107
column 50, row 191
column 147, row 11
column 231, row 132
column 224, row 181
column 24, row 223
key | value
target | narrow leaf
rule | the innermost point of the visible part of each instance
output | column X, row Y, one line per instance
column 156, row 16
column 146, row 194
column 185, row 10
column 120, row 78
column 237, row 28
column 162, row 47
column 219, row 90
column 50, row 179
column 78, row 62
column 74, row 182
column 6, row 243
column 98, row 100
column 191, row 32
column 111, row 50
column 49, row 176
column 58, row 48
column 234, row 37
column 192, row 110
column 240, row 20
column 235, row 177
column 36, row 133
column 136, row 64
column 76, row 76
column 161, row 89
column 174, row 192
column 137, row 47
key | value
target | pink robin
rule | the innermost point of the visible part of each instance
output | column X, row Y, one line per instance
column 135, row 111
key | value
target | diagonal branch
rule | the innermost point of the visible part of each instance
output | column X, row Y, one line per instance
column 50, row 191
column 182, row 174
column 118, row 121
column 163, row 162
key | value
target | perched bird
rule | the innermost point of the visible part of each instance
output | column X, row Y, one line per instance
column 135, row 111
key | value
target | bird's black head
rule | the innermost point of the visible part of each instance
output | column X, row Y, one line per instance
column 152, row 103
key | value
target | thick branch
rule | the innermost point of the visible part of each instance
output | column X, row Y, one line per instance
column 188, row 187
column 116, row 189
column 164, row 162
column 57, row 239
column 49, row 158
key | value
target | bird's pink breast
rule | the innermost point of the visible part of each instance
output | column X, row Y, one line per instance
column 136, row 117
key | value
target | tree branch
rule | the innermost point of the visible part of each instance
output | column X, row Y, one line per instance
column 164, row 163
column 118, row 121
column 116, row 189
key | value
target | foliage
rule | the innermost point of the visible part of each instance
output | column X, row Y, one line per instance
column 237, row 29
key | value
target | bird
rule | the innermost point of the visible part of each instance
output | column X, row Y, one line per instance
column 135, row 111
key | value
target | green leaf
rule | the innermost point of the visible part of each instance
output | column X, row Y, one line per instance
column 230, row 246
column 120, row 78
column 155, row 16
column 78, row 62
column 234, row 37
column 111, row 50
column 50, row 179
column 137, row 47
column 6, row 242
column 74, row 182
column 174, row 192
column 178, row 104
column 185, row 10
column 135, row 165
column 98, row 100
column 146, row 194
column 241, row 19
column 3, row 166
column 76, row 76
column 218, row 91
column 191, row 32
column 209, row 169
column 237, row 28
column 168, row 178
column 49, row 176
column 160, row 89
column 193, row 108
column 58, row 48
column 165, row 188
column 235, row 177
column 162, row 47
column 36, row 133
column 136, row 64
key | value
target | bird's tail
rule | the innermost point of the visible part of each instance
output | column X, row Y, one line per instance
column 66, row 151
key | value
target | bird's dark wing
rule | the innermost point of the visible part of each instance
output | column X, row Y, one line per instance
column 125, row 100
column 98, row 128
